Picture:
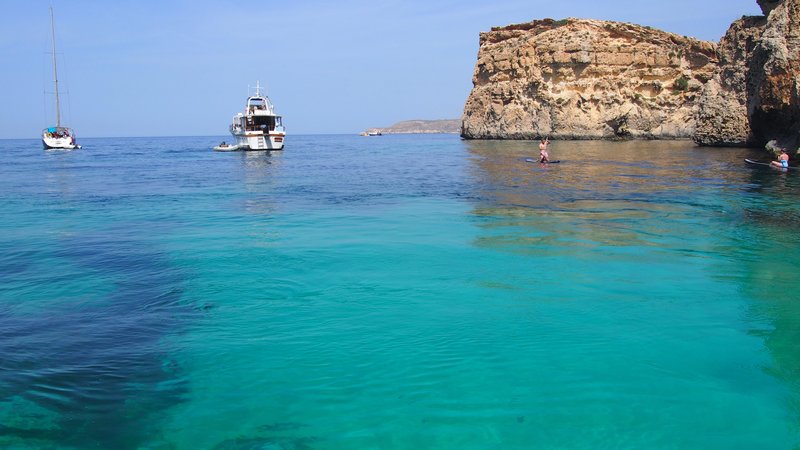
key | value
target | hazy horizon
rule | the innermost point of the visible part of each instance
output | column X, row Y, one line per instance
column 183, row 68
column 225, row 134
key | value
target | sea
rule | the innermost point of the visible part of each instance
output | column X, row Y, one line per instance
column 397, row 292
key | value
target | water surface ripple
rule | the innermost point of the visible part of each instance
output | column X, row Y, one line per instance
column 396, row 292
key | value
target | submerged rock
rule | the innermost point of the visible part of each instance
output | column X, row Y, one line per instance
column 267, row 443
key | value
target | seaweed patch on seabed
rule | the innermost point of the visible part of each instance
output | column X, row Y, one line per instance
column 281, row 426
column 774, row 217
column 267, row 443
column 272, row 442
column 95, row 372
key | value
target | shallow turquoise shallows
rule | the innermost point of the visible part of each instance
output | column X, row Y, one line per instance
column 397, row 292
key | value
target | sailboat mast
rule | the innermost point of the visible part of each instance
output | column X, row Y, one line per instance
column 55, row 72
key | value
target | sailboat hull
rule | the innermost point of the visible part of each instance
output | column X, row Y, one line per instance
column 59, row 145
column 60, row 137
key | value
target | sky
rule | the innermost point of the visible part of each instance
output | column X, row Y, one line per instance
column 183, row 68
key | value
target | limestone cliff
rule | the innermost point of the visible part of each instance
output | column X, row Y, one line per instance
column 774, row 83
column 755, row 96
column 722, row 117
column 586, row 79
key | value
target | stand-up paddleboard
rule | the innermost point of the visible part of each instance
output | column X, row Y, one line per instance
column 530, row 160
column 759, row 163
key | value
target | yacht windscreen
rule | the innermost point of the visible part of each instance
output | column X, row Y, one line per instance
column 258, row 103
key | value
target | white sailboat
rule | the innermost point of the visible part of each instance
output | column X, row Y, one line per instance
column 58, row 136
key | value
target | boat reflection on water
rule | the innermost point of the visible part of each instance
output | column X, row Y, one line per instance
column 260, row 173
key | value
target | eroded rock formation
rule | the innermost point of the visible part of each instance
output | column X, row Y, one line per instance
column 589, row 79
column 774, row 83
column 586, row 79
column 722, row 116
column 754, row 97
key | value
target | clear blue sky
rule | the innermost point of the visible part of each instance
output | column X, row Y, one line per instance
column 178, row 68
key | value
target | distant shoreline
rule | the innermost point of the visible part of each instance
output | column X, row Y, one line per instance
column 440, row 126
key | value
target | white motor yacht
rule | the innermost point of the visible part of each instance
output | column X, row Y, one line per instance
column 258, row 127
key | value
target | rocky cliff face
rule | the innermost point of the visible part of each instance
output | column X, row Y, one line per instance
column 754, row 98
column 586, row 79
column 774, row 84
column 722, row 117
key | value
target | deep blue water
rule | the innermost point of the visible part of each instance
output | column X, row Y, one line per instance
column 397, row 292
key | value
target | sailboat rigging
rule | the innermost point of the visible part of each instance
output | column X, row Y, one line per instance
column 57, row 136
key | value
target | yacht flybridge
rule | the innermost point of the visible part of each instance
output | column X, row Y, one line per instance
column 258, row 127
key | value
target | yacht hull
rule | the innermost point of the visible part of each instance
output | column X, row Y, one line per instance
column 273, row 141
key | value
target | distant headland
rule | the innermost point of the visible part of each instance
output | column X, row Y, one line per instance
column 420, row 127
column 593, row 79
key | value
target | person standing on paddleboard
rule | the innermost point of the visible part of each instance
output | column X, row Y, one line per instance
column 783, row 160
column 544, row 156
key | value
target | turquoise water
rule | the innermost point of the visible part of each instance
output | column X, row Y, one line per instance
column 397, row 292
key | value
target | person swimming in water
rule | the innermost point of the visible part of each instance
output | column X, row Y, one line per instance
column 783, row 160
column 544, row 156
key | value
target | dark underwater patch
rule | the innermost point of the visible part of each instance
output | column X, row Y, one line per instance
column 100, row 364
column 267, row 443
